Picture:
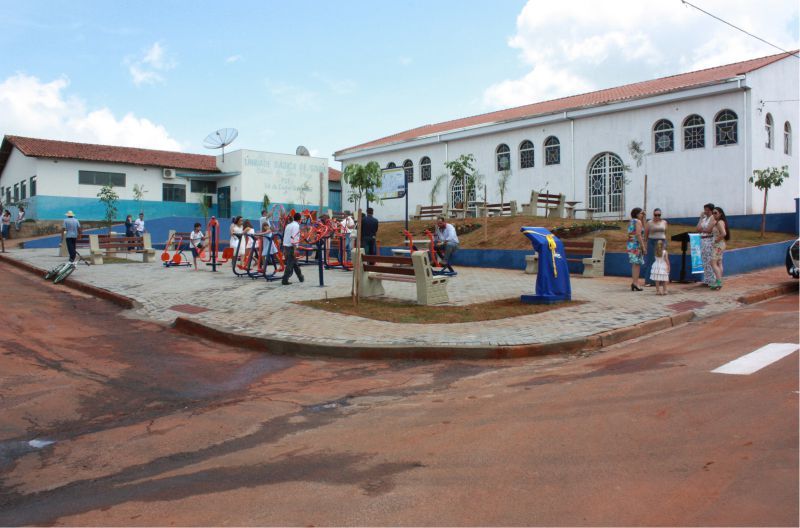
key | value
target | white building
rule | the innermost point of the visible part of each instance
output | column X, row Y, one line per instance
column 51, row 177
column 703, row 133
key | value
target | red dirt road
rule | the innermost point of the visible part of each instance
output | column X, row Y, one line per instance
column 156, row 428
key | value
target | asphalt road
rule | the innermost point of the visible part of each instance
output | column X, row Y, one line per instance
column 152, row 427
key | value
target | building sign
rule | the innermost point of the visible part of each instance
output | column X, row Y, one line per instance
column 285, row 178
column 393, row 184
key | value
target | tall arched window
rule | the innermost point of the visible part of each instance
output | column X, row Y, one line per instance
column 408, row 167
column 694, row 132
column 526, row 154
column 769, row 128
column 787, row 139
column 457, row 194
column 503, row 157
column 726, row 128
column 663, row 136
column 606, row 183
column 391, row 165
column 552, row 151
column 425, row 168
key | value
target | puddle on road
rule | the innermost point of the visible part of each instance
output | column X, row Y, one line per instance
column 329, row 406
column 16, row 448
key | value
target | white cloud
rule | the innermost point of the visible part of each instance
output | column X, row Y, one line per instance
column 293, row 96
column 150, row 67
column 30, row 107
column 233, row 58
column 582, row 45
column 337, row 86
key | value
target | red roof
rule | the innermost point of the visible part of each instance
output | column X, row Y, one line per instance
column 334, row 175
column 600, row 97
column 48, row 148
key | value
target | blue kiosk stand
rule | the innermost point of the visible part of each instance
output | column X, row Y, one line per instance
column 552, row 280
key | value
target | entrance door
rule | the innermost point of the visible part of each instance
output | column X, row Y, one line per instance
column 224, row 202
column 335, row 199
column 606, row 184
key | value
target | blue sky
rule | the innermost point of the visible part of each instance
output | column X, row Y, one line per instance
column 330, row 75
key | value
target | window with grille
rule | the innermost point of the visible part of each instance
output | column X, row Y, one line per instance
column 503, row 157
column 203, row 186
column 457, row 194
column 552, row 151
column 23, row 189
column 725, row 128
column 391, row 165
column 526, row 154
column 694, row 132
column 408, row 168
column 425, row 168
column 16, row 192
column 606, row 183
column 33, row 185
column 663, row 136
column 116, row 179
column 768, row 130
column 787, row 139
column 173, row 192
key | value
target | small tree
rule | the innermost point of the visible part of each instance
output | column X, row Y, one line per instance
column 766, row 179
column 363, row 180
column 462, row 168
column 138, row 195
column 109, row 200
column 265, row 201
column 437, row 187
column 502, row 184
column 303, row 190
column 205, row 206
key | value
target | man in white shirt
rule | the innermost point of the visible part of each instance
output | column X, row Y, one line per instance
column 291, row 237
column 348, row 224
column 446, row 243
column 263, row 223
column 138, row 226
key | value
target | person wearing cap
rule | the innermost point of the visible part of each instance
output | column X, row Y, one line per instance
column 72, row 230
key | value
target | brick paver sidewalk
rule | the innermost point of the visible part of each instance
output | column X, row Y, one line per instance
column 248, row 307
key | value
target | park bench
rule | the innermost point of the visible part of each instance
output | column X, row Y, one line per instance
column 429, row 211
column 499, row 209
column 110, row 246
column 415, row 269
column 593, row 266
column 82, row 242
column 553, row 204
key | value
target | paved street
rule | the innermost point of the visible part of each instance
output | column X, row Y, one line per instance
column 257, row 308
column 152, row 427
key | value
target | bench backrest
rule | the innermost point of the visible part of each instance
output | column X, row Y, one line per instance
column 550, row 199
column 120, row 243
column 597, row 247
column 399, row 265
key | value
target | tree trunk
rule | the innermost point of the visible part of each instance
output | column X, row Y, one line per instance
column 357, row 259
column 763, row 214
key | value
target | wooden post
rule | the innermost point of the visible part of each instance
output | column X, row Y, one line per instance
column 645, row 194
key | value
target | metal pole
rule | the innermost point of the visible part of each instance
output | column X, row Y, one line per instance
column 405, row 191
column 320, row 252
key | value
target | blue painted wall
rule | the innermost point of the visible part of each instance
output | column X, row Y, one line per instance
column 777, row 222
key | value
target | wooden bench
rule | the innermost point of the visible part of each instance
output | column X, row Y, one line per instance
column 593, row 266
column 113, row 245
column 553, row 204
column 430, row 211
column 415, row 269
column 500, row 209
column 82, row 242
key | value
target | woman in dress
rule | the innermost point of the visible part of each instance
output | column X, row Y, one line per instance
column 237, row 229
column 704, row 227
column 655, row 230
column 721, row 234
column 659, row 272
column 248, row 232
column 636, row 249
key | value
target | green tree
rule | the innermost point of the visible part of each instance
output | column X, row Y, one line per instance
column 205, row 206
column 502, row 184
column 108, row 197
column 265, row 201
column 766, row 179
column 138, row 195
column 363, row 181
column 438, row 183
column 462, row 168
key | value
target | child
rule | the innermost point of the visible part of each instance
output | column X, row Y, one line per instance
column 659, row 272
column 196, row 242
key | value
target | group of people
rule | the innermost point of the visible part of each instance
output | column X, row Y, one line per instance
column 5, row 221
column 647, row 247
column 134, row 228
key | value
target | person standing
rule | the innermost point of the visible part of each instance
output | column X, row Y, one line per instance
column 659, row 271
column 368, row 232
column 72, row 230
column 129, row 230
column 655, row 230
column 636, row 247
column 20, row 217
column 138, row 226
column 721, row 234
column 705, row 227
column 263, row 222
column 291, row 237
column 446, row 242
column 6, row 221
column 196, row 238
column 348, row 224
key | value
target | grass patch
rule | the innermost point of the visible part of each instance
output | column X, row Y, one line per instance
column 395, row 311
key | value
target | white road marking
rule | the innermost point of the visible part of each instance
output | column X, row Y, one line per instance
column 758, row 359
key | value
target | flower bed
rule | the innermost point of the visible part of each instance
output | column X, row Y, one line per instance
column 576, row 230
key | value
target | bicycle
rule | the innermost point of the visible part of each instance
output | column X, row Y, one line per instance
column 65, row 269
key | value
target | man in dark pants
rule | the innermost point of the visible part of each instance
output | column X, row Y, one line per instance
column 291, row 237
column 368, row 231
column 72, row 230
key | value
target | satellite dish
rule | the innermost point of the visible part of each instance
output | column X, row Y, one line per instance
column 220, row 139
column 302, row 151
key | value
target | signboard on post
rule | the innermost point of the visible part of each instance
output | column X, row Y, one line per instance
column 393, row 184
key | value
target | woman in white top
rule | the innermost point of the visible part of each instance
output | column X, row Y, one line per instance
column 20, row 217
column 237, row 230
column 705, row 226
column 655, row 230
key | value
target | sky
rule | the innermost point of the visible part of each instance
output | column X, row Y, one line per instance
column 332, row 74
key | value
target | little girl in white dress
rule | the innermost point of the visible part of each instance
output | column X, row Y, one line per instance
column 659, row 272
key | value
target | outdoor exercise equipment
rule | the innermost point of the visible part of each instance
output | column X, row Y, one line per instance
column 178, row 258
column 552, row 280
column 446, row 269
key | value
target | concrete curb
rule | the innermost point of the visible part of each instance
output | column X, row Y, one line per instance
column 763, row 295
column 115, row 298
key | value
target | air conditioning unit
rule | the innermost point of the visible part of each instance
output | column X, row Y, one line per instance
column 169, row 174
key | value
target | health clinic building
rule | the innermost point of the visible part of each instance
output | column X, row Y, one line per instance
column 703, row 133
column 51, row 177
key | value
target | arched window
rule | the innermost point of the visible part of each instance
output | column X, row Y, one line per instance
column 391, row 165
column 769, row 127
column 425, row 168
column 606, row 183
column 663, row 136
column 725, row 128
column 787, row 139
column 457, row 194
column 408, row 168
column 694, row 132
column 503, row 157
column 552, row 151
column 526, row 154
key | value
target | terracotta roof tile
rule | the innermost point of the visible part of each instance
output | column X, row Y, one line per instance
column 334, row 175
column 48, row 148
column 600, row 97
